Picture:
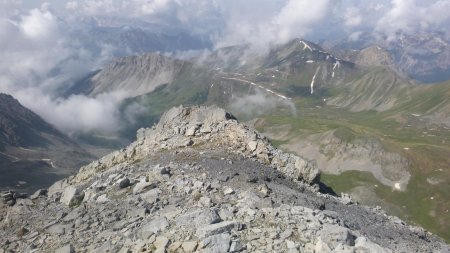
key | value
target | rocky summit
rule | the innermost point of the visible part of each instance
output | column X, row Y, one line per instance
column 199, row 181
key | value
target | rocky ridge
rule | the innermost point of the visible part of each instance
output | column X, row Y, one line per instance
column 200, row 182
column 370, row 56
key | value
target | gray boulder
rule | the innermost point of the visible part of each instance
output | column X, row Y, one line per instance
column 153, row 227
column 65, row 249
column 143, row 186
column 333, row 235
column 124, row 183
column 198, row 217
column 72, row 196
column 38, row 193
column 217, row 228
column 216, row 243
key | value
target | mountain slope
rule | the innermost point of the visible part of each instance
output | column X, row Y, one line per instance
column 21, row 127
column 134, row 75
column 32, row 151
column 200, row 181
column 370, row 56
column 379, row 89
column 296, row 69
column 424, row 56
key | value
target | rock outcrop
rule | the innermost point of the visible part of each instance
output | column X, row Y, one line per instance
column 185, row 126
column 200, row 182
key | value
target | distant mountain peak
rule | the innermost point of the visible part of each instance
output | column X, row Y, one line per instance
column 134, row 75
column 374, row 55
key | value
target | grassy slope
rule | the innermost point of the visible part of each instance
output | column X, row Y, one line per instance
column 422, row 202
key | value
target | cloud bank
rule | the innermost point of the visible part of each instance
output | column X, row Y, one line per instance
column 42, row 55
column 39, row 59
column 411, row 15
column 260, row 22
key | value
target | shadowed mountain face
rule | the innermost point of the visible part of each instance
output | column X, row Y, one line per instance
column 20, row 127
column 33, row 153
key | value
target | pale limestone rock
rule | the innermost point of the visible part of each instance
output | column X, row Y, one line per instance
column 72, row 196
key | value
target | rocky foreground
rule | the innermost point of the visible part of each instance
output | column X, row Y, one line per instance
column 200, row 182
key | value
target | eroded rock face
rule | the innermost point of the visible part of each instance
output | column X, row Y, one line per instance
column 221, row 194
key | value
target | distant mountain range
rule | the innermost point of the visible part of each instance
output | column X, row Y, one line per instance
column 134, row 40
column 127, row 36
column 424, row 56
column 360, row 80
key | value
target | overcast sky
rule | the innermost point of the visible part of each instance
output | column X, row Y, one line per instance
column 40, row 53
column 261, row 21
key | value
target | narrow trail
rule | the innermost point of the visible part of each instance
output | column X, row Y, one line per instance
column 259, row 86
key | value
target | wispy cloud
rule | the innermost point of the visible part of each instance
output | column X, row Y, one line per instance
column 411, row 16
column 41, row 53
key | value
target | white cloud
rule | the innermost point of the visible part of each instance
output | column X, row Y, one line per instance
column 275, row 22
column 355, row 36
column 410, row 16
column 352, row 17
column 38, row 59
column 152, row 7
column 77, row 113
column 40, row 54
column 39, row 24
column 95, row 7
column 262, row 22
